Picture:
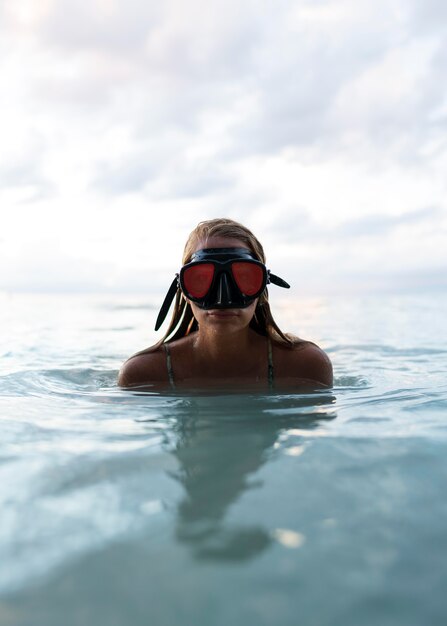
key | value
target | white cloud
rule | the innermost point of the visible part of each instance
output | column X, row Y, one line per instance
column 320, row 124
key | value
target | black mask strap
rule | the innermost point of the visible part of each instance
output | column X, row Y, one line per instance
column 167, row 303
column 276, row 280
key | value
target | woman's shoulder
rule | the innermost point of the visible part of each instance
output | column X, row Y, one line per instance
column 304, row 360
column 151, row 365
column 143, row 367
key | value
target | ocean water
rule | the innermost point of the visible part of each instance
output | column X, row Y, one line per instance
column 127, row 508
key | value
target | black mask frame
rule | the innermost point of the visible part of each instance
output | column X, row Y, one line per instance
column 223, row 292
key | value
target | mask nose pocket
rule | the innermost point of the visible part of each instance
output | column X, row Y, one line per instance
column 224, row 292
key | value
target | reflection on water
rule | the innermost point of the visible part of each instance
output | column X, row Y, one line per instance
column 220, row 444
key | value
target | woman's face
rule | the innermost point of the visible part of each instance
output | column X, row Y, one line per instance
column 225, row 319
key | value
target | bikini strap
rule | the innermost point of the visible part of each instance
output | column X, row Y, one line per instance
column 169, row 365
column 270, row 371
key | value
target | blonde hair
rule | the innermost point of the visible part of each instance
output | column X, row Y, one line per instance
column 183, row 321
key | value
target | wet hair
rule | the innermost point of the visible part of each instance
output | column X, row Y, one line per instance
column 183, row 321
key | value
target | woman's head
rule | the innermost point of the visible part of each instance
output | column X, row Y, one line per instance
column 227, row 233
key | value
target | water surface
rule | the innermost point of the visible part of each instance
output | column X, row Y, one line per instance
column 123, row 507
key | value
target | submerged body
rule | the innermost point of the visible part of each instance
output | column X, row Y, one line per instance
column 222, row 347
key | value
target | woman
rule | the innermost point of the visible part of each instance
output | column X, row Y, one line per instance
column 222, row 333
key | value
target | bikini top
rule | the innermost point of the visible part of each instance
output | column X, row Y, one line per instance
column 270, row 371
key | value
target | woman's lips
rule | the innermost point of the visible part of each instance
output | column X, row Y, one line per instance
column 220, row 313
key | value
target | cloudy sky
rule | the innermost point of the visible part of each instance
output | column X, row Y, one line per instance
column 319, row 124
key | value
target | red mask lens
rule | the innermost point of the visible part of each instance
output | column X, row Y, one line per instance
column 249, row 277
column 197, row 279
